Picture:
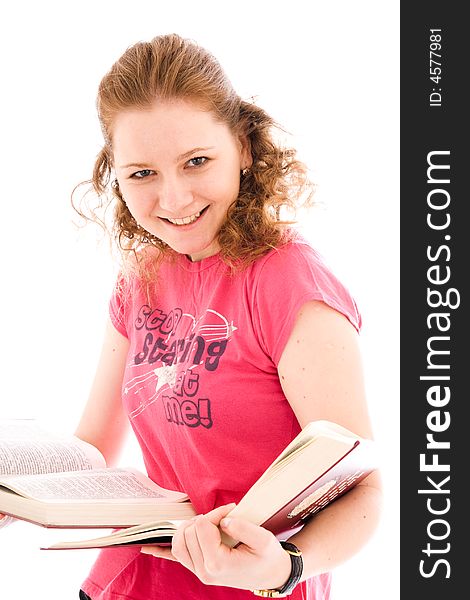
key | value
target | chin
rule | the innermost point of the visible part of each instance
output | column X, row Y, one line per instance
column 196, row 249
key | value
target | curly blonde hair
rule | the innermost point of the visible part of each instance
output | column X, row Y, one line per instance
column 170, row 67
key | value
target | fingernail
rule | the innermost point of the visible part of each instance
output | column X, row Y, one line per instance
column 225, row 522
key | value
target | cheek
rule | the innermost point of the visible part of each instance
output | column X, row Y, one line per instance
column 138, row 202
column 222, row 189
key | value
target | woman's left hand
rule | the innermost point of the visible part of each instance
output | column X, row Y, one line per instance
column 258, row 562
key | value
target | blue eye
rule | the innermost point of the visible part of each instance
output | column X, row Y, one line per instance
column 142, row 174
column 198, row 161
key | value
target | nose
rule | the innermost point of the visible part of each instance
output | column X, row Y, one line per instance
column 174, row 196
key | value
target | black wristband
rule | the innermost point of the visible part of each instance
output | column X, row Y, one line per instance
column 297, row 566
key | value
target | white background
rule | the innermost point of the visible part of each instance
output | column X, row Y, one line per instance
column 328, row 72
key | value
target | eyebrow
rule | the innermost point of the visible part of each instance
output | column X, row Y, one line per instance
column 180, row 157
column 193, row 151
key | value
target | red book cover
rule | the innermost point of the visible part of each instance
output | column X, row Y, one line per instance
column 338, row 479
column 321, row 464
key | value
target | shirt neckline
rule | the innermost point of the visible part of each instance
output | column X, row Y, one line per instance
column 200, row 265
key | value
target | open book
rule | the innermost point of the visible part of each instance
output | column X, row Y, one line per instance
column 323, row 462
column 58, row 481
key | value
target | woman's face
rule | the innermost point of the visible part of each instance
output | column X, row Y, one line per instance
column 178, row 170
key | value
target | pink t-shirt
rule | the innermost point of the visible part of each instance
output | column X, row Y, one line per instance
column 203, row 396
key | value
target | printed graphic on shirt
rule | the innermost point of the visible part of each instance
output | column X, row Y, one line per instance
column 175, row 350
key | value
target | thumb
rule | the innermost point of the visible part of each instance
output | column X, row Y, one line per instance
column 218, row 513
column 253, row 536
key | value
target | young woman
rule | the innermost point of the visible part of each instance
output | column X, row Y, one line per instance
column 227, row 332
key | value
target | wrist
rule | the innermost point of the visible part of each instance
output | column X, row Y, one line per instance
column 281, row 571
column 296, row 569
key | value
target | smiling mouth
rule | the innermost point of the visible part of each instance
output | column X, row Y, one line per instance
column 186, row 220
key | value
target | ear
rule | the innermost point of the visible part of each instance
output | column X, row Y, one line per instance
column 246, row 158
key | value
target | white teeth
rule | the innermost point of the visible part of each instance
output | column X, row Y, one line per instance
column 185, row 220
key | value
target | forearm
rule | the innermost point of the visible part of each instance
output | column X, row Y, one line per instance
column 340, row 531
column 104, row 423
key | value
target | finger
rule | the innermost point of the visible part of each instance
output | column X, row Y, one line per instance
column 212, row 550
column 255, row 537
column 159, row 551
column 179, row 547
column 186, row 545
column 5, row 520
column 214, row 516
column 193, row 546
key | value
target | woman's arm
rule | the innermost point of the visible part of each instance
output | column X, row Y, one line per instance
column 103, row 422
column 321, row 374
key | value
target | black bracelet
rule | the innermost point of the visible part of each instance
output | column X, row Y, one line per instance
column 297, row 566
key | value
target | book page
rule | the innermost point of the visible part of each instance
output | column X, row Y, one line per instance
column 26, row 448
column 161, row 531
column 311, row 433
column 92, row 486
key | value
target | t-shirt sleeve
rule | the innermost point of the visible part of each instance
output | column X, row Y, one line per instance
column 289, row 277
column 118, row 305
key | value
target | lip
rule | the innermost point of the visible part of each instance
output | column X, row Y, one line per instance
column 188, row 226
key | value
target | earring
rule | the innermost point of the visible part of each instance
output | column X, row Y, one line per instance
column 245, row 171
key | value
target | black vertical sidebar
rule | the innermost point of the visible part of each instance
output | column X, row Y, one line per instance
column 434, row 331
